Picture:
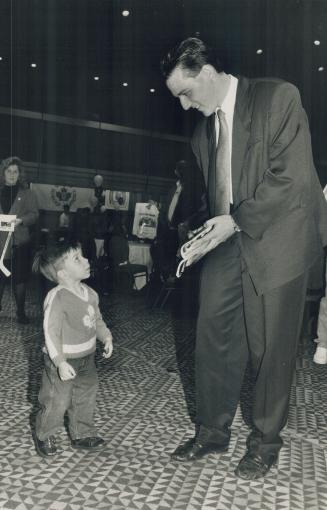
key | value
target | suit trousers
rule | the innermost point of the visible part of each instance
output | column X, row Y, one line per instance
column 234, row 323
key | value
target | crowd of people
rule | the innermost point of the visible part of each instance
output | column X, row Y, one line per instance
column 256, row 187
column 103, row 234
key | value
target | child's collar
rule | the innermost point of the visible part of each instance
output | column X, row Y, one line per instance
column 83, row 294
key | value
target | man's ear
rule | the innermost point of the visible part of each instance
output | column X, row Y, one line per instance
column 208, row 70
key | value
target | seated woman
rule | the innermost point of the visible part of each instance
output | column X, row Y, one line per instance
column 17, row 199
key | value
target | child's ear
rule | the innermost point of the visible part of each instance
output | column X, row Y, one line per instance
column 61, row 274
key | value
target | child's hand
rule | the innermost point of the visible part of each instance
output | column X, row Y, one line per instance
column 66, row 371
column 107, row 347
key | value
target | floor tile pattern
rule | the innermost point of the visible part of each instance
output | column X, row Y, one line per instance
column 143, row 414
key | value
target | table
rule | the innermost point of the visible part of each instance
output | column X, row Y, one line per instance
column 139, row 253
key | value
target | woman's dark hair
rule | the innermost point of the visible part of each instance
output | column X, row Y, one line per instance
column 191, row 54
column 6, row 163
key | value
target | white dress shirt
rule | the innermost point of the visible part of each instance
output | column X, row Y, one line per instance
column 228, row 107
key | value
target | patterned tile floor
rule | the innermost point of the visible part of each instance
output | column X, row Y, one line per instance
column 143, row 415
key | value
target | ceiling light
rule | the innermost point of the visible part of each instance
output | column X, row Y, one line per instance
column 125, row 84
column 321, row 68
column 33, row 65
column 316, row 43
column 259, row 51
column 125, row 13
column 152, row 90
column 96, row 78
column 0, row 58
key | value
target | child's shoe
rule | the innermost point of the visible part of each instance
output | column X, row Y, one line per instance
column 46, row 448
column 320, row 356
column 88, row 443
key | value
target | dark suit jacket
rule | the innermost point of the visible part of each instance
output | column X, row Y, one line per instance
column 278, row 200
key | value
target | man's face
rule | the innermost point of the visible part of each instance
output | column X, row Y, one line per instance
column 194, row 91
column 76, row 266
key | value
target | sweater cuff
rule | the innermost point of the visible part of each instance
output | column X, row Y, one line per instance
column 57, row 360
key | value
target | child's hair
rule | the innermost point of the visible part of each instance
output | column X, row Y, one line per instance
column 49, row 260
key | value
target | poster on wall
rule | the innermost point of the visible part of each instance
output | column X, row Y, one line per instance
column 118, row 200
column 145, row 221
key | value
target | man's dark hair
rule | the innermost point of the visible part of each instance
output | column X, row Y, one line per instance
column 191, row 54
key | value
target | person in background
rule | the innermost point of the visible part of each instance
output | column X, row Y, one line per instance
column 185, row 209
column 269, row 224
column 187, row 205
column 72, row 323
column 82, row 232
column 99, row 228
column 116, row 246
column 99, row 193
column 64, row 218
column 17, row 199
column 320, row 356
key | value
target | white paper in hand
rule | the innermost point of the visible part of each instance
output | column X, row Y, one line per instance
column 189, row 254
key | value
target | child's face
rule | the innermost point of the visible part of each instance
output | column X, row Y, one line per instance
column 76, row 266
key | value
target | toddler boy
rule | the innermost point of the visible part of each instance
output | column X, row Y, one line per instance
column 72, row 323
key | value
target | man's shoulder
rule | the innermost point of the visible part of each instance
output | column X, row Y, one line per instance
column 263, row 88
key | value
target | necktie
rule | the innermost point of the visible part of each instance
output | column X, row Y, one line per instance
column 219, row 162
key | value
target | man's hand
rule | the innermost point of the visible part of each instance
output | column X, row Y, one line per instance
column 223, row 228
column 107, row 347
column 66, row 371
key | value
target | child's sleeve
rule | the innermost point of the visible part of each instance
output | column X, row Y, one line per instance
column 102, row 331
column 52, row 326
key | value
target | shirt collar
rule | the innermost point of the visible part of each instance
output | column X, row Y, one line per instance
column 228, row 103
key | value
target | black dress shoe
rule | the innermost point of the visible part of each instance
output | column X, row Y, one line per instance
column 46, row 448
column 88, row 443
column 194, row 449
column 252, row 466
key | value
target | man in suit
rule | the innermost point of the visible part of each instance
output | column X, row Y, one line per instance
column 269, row 221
